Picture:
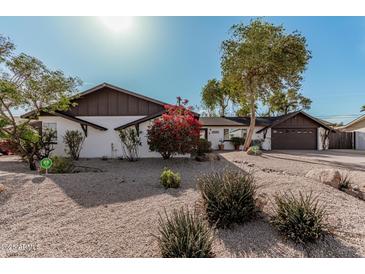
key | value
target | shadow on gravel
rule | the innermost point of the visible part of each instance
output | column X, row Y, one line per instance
column 330, row 247
column 349, row 166
column 12, row 183
column 259, row 238
column 125, row 181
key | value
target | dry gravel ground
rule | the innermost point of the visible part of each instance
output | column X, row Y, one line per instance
column 115, row 213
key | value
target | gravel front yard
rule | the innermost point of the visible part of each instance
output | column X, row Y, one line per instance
column 115, row 213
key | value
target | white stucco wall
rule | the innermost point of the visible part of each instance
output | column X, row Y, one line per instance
column 99, row 143
column 360, row 139
column 216, row 133
column 320, row 132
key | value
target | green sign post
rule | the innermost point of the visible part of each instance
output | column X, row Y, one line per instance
column 46, row 164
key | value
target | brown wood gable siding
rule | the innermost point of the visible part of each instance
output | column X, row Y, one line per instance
column 298, row 121
column 108, row 102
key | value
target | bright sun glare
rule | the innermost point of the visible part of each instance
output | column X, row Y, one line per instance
column 117, row 23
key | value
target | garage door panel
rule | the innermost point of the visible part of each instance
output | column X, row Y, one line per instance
column 294, row 138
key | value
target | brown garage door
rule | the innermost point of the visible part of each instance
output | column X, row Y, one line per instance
column 294, row 138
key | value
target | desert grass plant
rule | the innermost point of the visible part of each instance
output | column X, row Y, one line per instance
column 301, row 219
column 184, row 234
column 170, row 179
column 345, row 180
column 228, row 197
column 61, row 165
column 73, row 140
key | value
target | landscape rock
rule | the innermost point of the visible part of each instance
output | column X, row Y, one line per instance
column 356, row 187
column 207, row 157
column 330, row 177
column 201, row 158
column 261, row 200
column 80, row 169
column 2, row 188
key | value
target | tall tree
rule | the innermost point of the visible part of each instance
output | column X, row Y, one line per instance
column 281, row 102
column 260, row 58
column 27, row 84
column 214, row 96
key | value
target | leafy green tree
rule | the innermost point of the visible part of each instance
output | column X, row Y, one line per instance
column 214, row 96
column 281, row 102
column 27, row 84
column 259, row 58
column 363, row 108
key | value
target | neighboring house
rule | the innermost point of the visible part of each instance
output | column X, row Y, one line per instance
column 99, row 113
column 356, row 126
column 296, row 130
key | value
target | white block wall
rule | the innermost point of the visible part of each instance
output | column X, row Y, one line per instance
column 320, row 132
column 360, row 139
column 99, row 143
column 215, row 134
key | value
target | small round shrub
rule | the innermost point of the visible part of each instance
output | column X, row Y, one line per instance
column 228, row 197
column 300, row 219
column 170, row 179
column 237, row 141
column 204, row 146
column 254, row 150
column 61, row 165
column 184, row 235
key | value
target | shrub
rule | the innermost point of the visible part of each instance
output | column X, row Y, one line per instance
column 345, row 181
column 228, row 197
column 73, row 140
column 61, row 165
column 254, row 150
column 184, row 235
column 46, row 143
column 130, row 141
column 176, row 132
column 170, row 179
column 204, row 146
column 257, row 142
column 237, row 141
column 300, row 219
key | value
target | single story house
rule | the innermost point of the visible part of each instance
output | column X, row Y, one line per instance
column 356, row 126
column 99, row 112
column 103, row 110
column 296, row 130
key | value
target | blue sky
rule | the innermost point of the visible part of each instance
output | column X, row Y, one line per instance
column 163, row 57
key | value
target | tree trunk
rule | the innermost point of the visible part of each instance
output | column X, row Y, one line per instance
column 251, row 129
column 32, row 164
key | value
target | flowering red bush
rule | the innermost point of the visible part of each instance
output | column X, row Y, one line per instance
column 176, row 132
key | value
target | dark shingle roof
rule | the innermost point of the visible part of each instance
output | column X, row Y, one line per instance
column 235, row 121
column 260, row 121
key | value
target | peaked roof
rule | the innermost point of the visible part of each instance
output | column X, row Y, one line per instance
column 266, row 122
column 235, row 121
column 353, row 122
column 78, row 120
column 283, row 118
column 103, row 85
column 139, row 121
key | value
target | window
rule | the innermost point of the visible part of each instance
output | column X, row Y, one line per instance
column 234, row 132
column 50, row 126
column 226, row 134
column 203, row 133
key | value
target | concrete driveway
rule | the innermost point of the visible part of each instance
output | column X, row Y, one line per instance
column 351, row 159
